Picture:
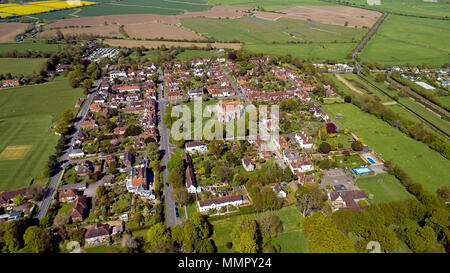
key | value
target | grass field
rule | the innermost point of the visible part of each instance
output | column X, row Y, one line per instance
column 17, row 66
column 279, row 37
column 422, row 164
column 29, row 46
column 384, row 187
column 190, row 54
column 411, row 40
column 270, row 5
column 290, row 239
column 26, row 115
column 410, row 7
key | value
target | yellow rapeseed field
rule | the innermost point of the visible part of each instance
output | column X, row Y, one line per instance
column 7, row 10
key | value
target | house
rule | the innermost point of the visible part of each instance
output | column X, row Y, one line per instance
column 129, row 88
column 7, row 197
column 79, row 208
column 304, row 140
column 217, row 203
column 10, row 83
column 196, row 146
column 14, row 215
column 281, row 192
column 192, row 93
column 84, row 169
column 67, row 195
column 191, row 183
column 301, row 165
column 140, row 182
column 347, row 199
column 75, row 153
column 291, row 155
column 229, row 110
column 248, row 164
column 98, row 233
column 77, row 186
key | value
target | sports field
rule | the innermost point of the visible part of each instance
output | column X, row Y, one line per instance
column 384, row 187
column 26, row 141
column 410, row 40
column 17, row 66
column 280, row 37
column 423, row 164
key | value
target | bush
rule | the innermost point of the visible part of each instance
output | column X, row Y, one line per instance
column 324, row 148
column 357, row 146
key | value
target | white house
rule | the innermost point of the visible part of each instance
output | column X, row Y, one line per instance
column 196, row 146
column 217, row 203
column 76, row 153
column 300, row 165
column 248, row 164
column 304, row 140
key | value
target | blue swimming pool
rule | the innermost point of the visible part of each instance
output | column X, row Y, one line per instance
column 361, row 170
column 371, row 160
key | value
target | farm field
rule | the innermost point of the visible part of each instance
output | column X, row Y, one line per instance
column 424, row 165
column 328, row 15
column 278, row 37
column 384, row 187
column 411, row 40
column 101, row 31
column 8, row 31
column 270, row 5
column 437, row 8
column 26, row 116
column 30, row 46
column 17, row 66
column 290, row 239
column 154, row 44
column 445, row 100
column 154, row 30
column 8, row 10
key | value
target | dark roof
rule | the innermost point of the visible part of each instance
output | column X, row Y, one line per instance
column 73, row 186
column 348, row 196
column 220, row 200
column 79, row 206
column 246, row 160
column 9, row 195
column 97, row 230
column 194, row 144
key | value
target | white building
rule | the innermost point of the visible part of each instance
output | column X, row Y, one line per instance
column 304, row 140
column 196, row 146
column 217, row 203
column 229, row 110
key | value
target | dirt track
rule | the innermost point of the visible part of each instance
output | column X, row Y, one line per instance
column 344, row 81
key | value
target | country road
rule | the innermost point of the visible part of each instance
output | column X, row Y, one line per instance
column 51, row 190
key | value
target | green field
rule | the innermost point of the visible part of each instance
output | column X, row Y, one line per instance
column 17, row 66
column 445, row 100
column 29, row 46
column 384, row 187
column 270, row 5
column 410, row 7
column 280, row 37
column 402, row 39
column 423, row 164
column 190, row 54
column 26, row 115
column 290, row 239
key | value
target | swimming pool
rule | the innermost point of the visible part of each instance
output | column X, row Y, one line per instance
column 371, row 160
column 361, row 170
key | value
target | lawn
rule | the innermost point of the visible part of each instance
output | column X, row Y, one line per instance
column 191, row 209
column 30, row 46
column 316, row 40
column 411, row 40
column 103, row 249
column 26, row 116
column 65, row 209
column 423, row 164
column 384, row 187
column 290, row 218
column 17, row 66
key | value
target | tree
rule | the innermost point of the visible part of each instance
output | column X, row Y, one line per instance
column 421, row 239
column 310, row 197
column 444, row 193
column 158, row 238
column 324, row 148
column 67, row 116
column 181, row 196
column 215, row 147
column 132, row 130
column 61, row 220
column 269, row 224
column 223, row 173
column 62, row 128
column 331, row 128
column 176, row 164
column 35, row 192
column 36, row 240
column 152, row 151
column 379, row 77
column 357, row 146
column 176, row 179
column 129, row 242
column 19, row 200
column 245, row 235
column 381, row 234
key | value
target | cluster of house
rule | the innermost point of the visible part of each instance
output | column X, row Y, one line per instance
column 10, row 83
column 215, row 80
